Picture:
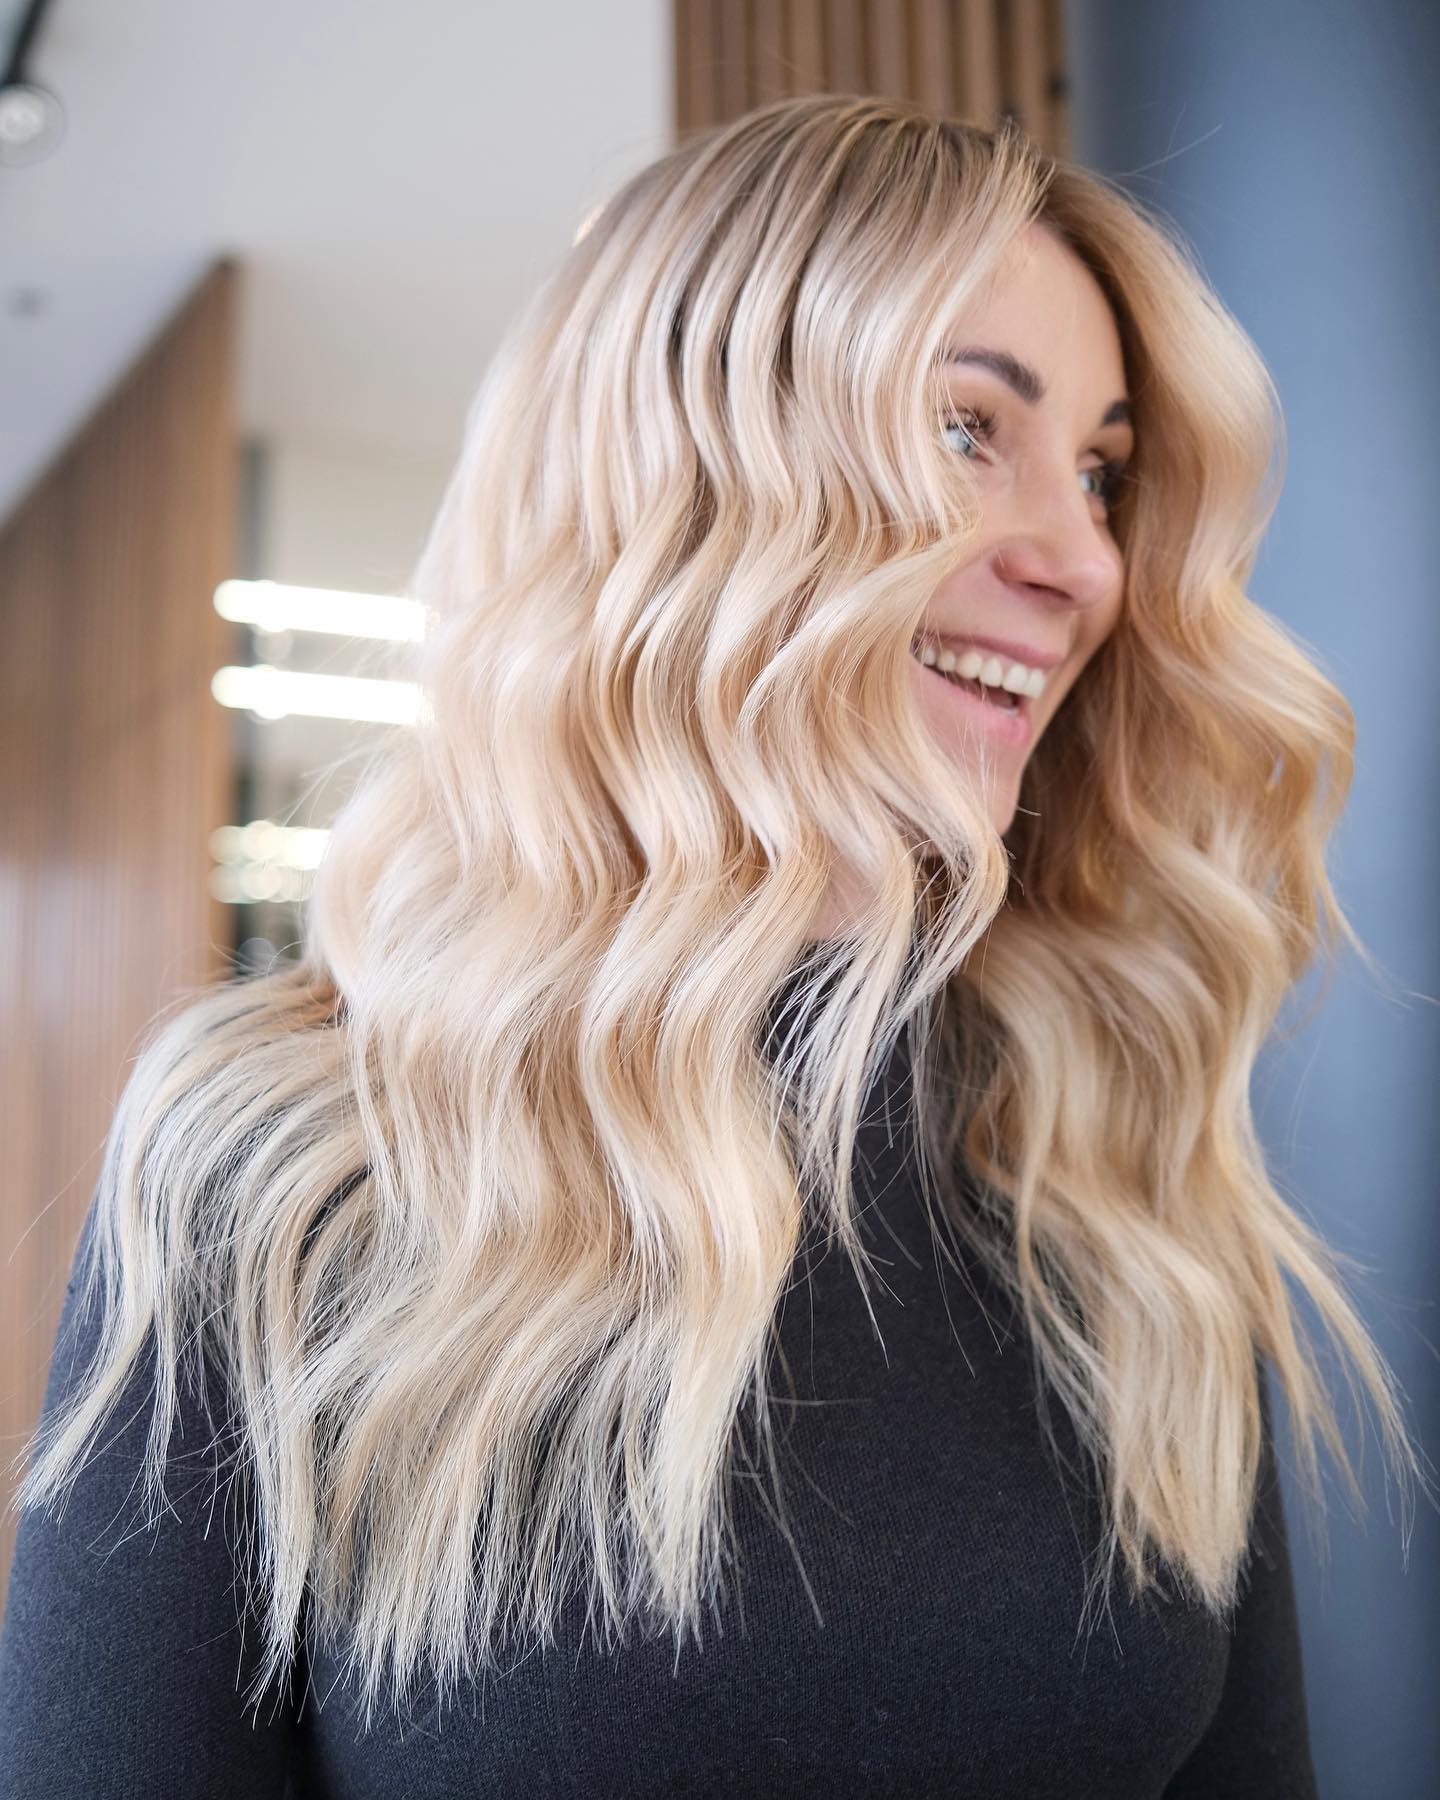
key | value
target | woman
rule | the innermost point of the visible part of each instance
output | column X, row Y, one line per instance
column 466, row 1283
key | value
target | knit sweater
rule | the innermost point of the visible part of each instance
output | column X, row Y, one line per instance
column 922, row 1635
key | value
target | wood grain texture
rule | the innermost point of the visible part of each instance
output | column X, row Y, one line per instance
column 115, row 767
column 967, row 59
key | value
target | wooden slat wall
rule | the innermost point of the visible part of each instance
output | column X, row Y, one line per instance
column 114, row 769
column 969, row 59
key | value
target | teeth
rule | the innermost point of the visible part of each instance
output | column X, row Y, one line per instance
column 1015, row 678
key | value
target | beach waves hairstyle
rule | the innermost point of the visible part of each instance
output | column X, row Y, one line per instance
column 485, row 1204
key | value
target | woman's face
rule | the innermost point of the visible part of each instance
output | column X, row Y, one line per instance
column 1037, row 396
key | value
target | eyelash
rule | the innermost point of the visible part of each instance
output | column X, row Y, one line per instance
column 1113, row 473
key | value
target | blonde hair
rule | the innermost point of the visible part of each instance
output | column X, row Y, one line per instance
column 484, row 1205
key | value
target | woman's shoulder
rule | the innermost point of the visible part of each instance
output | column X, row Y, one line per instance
column 129, row 1641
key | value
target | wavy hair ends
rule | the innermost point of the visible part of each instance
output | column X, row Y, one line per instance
column 484, row 1206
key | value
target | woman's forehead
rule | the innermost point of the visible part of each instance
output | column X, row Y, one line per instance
column 1039, row 321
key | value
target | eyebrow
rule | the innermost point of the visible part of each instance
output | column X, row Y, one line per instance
column 1023, row 379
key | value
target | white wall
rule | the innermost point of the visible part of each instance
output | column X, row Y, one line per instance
column 340, row 516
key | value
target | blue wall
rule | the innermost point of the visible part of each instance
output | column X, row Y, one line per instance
column 1296, row 143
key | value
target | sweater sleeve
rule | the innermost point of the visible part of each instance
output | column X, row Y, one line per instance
column 1257, row 1747
column 126, row 1652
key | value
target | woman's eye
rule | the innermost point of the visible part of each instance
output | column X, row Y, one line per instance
column 1109, row 480
column 971, row 426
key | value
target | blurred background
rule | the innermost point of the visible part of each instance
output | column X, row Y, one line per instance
column 253, row 262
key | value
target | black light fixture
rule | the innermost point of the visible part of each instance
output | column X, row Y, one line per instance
column 32, row 120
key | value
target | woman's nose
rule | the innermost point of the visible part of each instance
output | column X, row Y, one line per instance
column 1058, row 541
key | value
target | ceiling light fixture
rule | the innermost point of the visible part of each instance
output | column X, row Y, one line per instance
column 32, row 120
column 281, row 606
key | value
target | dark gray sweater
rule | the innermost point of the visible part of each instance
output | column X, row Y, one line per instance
column 945, row 1552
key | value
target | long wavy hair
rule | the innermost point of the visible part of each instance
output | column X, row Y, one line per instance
column 484, row 1204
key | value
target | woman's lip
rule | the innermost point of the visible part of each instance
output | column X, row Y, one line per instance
column 1007, row 649
column 1016, row 727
